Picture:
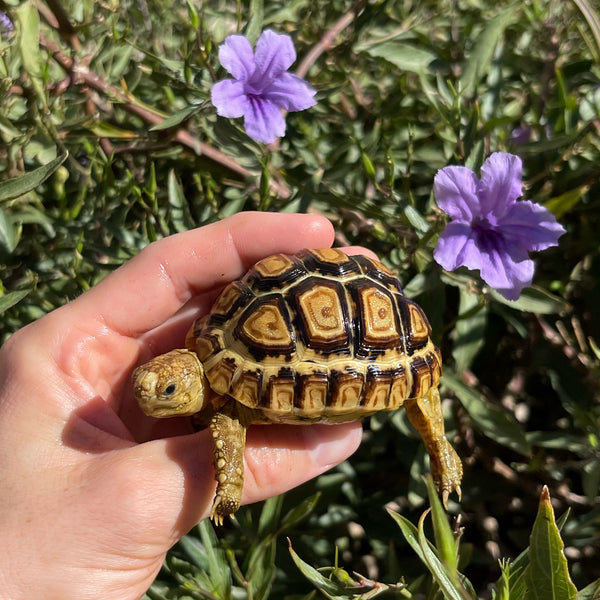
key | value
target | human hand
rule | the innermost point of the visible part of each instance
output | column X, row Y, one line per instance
column 92, row 492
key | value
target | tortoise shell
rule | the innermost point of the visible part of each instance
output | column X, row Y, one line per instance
column 317, row 336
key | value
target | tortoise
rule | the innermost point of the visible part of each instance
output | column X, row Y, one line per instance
column 318, row 336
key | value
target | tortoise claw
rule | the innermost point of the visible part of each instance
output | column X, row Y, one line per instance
column 446, row 494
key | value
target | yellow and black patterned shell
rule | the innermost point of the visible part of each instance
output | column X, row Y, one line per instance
column 317, row 336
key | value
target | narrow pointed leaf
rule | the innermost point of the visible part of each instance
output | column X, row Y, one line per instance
column 410, row 532
column 29, row 46
column 452, row 590
column 444, row 538
column 482, row 54
column 548, row 574
column 217, row 562
column 330, row 588
column 177, row 118
column 18, row 186
column 12, row 298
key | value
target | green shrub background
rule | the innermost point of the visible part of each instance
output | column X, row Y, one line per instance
column 403, row 89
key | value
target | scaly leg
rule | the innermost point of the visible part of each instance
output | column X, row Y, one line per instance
column 426, row 416
column 229, row 436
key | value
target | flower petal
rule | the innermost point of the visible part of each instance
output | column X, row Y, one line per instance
column 275, row 54
column 505, row 275
column 531, row 225
column 455, row 190
column 229, row 98
column 456, row 247
column 500, row 183
column 236, row 55
column 264, row 121
column 290, row 92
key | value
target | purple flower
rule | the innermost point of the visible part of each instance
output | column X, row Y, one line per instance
column 489, row 230
column 261, row 86
column 6, row 26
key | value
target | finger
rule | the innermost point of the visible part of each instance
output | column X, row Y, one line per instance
column 174, row 478
column 280, row 458
column 166, row 274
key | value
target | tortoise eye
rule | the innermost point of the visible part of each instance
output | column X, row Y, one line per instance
column 169, row 390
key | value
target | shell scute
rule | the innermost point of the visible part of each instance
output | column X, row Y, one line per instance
column 417, row 330
column 247, row 388
column 231, row 300
column 377, row 390
column 400, row 388
column 281, row 393
column 347, row 388
column 313, row 393
column 321, row 315
column 274, row 272
column 265, row 327
column 421, row 376
column 379, row 326
column 328, row 261
column 223, row 371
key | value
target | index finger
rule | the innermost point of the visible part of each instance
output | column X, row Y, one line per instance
column 151, row 287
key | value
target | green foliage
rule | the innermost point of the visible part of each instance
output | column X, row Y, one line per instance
column 108, row 141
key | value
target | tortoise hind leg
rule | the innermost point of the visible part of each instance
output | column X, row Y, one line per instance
column 229, row 436
column 426, row 416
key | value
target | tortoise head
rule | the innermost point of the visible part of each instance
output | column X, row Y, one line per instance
column 171, row 385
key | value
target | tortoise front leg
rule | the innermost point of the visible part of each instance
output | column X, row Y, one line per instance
column 229, row 436
column 426, row 416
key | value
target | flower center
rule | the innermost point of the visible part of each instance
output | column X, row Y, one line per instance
column 487, row 236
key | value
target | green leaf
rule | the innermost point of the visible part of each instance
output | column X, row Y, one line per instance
column 179, row 211
column 416, row 219
column 593, row 20
column 481, row 56
column 270, row 517
column 193, row 15
column 410, row 533
column 18, row 186
column 469, row 329
column 535, row 300
column 330, row 588
column 488, row 418
column 29, row 46
column 216, row 560
column 548, row 573
column 444, row 538
column 255, row 24
column 511, row 584
column 451, row 588
column 10, row 231
column 194, row 551
column 299, row 512
column 446, row 577
column 502, row 590
column 562, row 204
column 12, row 298
column 590, row 592
column 402, row 55
column 107, row 130
column 178, row 117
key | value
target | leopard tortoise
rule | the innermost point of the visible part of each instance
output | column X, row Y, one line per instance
column 318, row 336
